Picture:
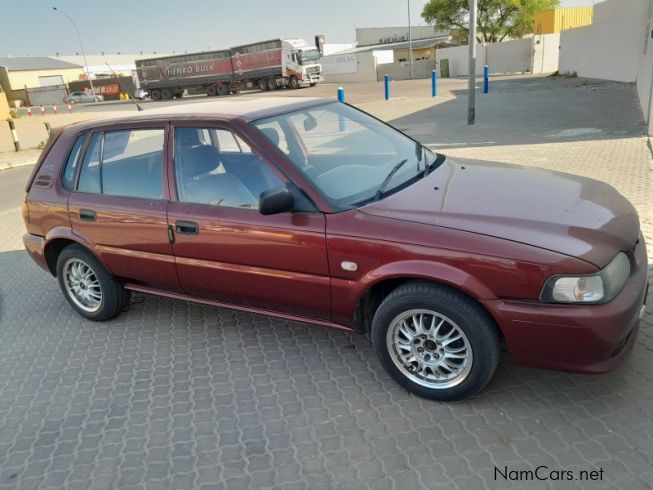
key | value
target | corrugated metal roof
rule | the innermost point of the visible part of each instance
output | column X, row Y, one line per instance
column 26, row 63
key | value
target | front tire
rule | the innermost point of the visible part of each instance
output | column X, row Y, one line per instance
column 88, row 286
column 435, row 342
column 293, row 83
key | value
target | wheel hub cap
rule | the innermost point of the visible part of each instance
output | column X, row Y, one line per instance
column 82, row 285
column 429, row 348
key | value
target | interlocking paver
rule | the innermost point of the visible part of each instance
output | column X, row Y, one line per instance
column 175, row 395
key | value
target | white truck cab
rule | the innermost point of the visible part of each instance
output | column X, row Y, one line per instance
column 300, row 62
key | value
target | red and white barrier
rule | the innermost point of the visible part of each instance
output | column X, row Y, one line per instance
column 54, row 108
column 42, row 110
column 70, row 107
column 29, row 111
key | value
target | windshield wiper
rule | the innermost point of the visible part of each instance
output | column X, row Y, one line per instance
column 394, row 170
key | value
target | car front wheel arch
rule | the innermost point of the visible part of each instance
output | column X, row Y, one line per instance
column 372, row 298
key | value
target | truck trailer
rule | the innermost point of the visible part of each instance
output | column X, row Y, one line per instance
column 267, row 65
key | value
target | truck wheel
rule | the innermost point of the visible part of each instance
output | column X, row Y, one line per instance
column 223, row 90
column 166, row 94
column 211, row 90
column 313, row 84
column 155, row 94
column 293, row 83
column 435, row 341
column 262, row 85
column 272, row 84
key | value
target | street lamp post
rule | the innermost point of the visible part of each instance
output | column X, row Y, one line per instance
column 81, row 45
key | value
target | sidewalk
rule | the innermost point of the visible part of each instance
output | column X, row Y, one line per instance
column 13, row 159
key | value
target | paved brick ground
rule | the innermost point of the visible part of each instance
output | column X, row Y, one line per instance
column 174, row 395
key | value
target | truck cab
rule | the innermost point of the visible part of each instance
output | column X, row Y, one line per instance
column 301, row 60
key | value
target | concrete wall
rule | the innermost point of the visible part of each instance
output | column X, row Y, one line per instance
column 459, row 59
column 510, row 56
column 537, row 54
column 359, row 67
column 401, row 71
column 609, row 48
column 645, row 67
column 546, row 53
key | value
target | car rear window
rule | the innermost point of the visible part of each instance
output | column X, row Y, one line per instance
column 68, row 179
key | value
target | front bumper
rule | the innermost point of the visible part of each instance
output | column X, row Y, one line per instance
column 581, row 338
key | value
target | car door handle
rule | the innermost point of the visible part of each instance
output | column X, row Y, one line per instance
column 187, row 227
column 87, row 215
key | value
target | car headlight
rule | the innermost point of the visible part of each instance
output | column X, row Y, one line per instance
column 594, row 288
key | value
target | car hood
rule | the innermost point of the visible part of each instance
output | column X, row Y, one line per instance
column 572, row 215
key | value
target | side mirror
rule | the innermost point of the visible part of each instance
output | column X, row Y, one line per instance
column 275, row 201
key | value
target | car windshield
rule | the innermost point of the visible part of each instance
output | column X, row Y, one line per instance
column 350, row 157
column 308, row 55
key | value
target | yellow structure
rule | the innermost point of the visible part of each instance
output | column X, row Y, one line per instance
column 560, row 19
column 4, row 106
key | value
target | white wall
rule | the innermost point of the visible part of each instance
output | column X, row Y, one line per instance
column 510, row 56
column 609, row 48
column 538, row 54
column 645, row 67
column 359, row 67
column 546, row 53
column 458, row 57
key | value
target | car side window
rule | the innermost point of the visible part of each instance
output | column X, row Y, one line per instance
column 132, row 163
column 89, row 177
column 124, row 163
column 71, row 164
column 226, row 173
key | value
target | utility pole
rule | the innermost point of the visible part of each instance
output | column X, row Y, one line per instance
column 471, row 85
column 410, row 44
column 81, row 45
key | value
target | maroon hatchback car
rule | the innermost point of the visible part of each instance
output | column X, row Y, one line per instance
column 311, row 210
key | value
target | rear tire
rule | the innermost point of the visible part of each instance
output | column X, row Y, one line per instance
column 435, row 341
column 272, row 84
column 262, row 85
column 223, row 90
column 156, row 95
column 166, row 94
column 211, row 91
column 88, row 286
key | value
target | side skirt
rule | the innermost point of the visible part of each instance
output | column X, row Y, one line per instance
column 217, row 304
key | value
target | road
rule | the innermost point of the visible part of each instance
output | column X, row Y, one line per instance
column 12, row 187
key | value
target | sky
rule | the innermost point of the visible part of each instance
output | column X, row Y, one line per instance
column 165, row 26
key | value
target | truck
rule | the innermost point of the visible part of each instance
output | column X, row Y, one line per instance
column 267, row 65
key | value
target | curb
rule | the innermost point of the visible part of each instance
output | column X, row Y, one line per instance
column 7, row 166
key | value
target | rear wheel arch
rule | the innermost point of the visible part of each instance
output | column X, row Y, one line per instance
column 55, row 246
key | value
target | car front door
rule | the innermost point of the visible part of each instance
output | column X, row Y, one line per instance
column 118, row 204
column 227, row 251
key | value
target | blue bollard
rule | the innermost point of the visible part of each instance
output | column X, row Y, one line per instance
column 486, row 79
column 341, row 94
column 434, row 83
column 386, row 83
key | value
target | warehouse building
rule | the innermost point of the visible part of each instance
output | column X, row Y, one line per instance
column 37, row 79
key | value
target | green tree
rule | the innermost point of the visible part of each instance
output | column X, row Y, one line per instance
column 497, row 19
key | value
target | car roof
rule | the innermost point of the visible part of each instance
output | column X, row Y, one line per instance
column 247, row 108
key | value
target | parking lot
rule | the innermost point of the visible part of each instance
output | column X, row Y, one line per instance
column 176, row 395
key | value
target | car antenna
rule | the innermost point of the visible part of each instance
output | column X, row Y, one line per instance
column 123, row 88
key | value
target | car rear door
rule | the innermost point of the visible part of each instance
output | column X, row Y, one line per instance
column 228, row 252
column 118, row 204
